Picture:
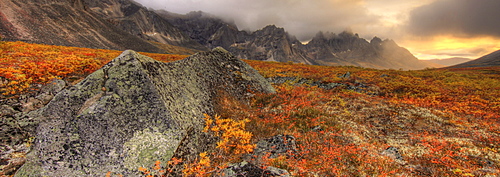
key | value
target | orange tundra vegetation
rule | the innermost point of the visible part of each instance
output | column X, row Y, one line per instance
column 24, row 65
column 444, row 122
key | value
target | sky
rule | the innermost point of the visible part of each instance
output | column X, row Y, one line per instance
column 430, row 29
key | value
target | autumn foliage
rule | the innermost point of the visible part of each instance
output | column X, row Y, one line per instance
column 24, row 65
column 445, row 122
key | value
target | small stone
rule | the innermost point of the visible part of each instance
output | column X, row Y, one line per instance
column 6, row 110
column 393, row 153
column 31, row 104
column 53, row 87
column 247, row 169
column 276, row 146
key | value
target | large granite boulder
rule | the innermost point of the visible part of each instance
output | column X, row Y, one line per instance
column 134, row 111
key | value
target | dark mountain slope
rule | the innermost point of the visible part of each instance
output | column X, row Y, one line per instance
column 66, row 23
column 492, row 59
column 138, row 20
column 110, row 24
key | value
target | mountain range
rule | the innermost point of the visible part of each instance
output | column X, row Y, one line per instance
column 125, row 24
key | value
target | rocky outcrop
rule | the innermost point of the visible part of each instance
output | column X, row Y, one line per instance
column 134, row 111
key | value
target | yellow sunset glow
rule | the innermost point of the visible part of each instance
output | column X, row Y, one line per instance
column 447, row 46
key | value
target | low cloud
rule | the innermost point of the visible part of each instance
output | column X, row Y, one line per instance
column 459, row 18
column 300, row 18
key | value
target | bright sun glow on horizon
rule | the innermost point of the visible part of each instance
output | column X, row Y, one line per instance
column 442, row 47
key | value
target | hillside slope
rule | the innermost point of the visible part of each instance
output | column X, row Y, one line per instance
column 489, row 60
column 449, row 61
column 110, row 24
column 138, row 20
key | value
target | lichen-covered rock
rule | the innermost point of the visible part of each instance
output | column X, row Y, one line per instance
column 134, row 111
column 250, row 170
column 276, row 146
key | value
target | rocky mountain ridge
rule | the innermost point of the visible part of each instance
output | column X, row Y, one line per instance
column 274, row 44
column 270, row 43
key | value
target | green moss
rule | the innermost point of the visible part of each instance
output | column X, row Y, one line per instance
column 148, row 146
column 29, row 169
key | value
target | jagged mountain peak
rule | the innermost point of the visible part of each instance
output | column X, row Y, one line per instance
column 330, row 35
column 376, row 41
column 271, row 30
column 349, row 34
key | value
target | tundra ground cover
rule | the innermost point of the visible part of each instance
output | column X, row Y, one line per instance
column 24, row 65
column 444, row 122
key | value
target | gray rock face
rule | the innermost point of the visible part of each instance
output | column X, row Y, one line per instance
column 205, row 29
column 134, row 111
column 66, row 23
column 272, row 44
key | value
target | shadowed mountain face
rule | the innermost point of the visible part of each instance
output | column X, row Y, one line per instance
column 139, row 21
column 110, row 24
column 492, row 59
